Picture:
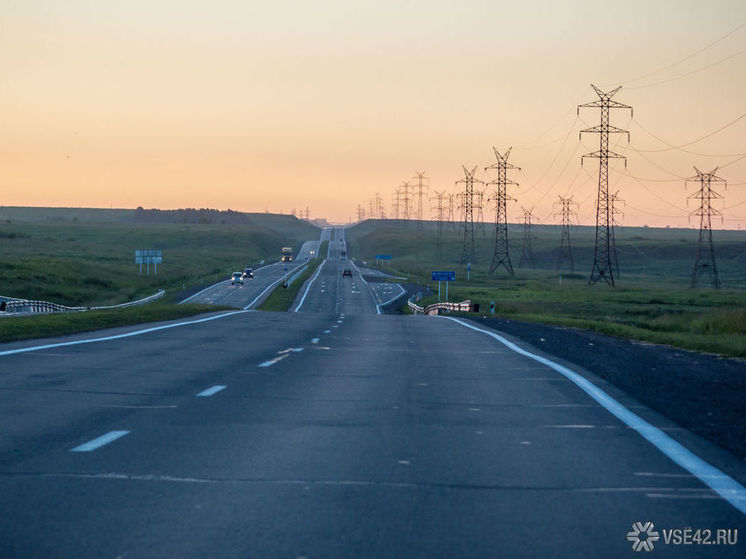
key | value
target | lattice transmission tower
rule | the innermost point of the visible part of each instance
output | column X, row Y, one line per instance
column 441, row 215
column 568, row 216
column 360, row 213
column 422, row 187
column 469, row 251
column 705, row 262
column 527, row 252
column 479, row 209
column 604, row 251
column 405, row 200
column 614, row 201
column 501, row 254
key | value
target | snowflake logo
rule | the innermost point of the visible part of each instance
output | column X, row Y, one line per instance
column 643, row 536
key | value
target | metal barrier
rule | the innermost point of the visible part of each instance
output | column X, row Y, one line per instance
column 435, row 308
column 29, row 306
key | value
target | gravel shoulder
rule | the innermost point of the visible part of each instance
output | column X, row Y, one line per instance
column 703, row 393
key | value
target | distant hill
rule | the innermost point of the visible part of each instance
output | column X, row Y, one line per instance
column 285, row 223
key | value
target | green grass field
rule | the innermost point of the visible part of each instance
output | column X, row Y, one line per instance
column 76, row 261
column 48, row 325
column 652, row 300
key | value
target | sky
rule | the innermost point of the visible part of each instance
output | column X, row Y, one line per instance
column 284, row 105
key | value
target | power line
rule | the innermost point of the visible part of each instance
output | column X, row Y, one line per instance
column 701, row 69
column 679, row 147
column 687, row 57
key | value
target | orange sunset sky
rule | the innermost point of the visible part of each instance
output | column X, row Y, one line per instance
column 279, row 105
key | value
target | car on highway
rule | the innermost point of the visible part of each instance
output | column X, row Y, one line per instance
column 248, row 273
column 237, row 278
column 346, row 273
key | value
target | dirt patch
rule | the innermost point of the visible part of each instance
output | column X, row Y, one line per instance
column 705, row 394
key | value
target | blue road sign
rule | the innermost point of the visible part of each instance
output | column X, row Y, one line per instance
column 383, row 257
column 444, row 276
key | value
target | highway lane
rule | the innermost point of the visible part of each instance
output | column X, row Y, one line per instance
column 335, row 433
column 248, row 294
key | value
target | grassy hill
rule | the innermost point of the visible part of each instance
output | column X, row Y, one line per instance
column 86, row 256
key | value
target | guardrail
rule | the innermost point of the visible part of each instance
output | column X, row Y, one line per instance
column 435, row 308
column 29, row 306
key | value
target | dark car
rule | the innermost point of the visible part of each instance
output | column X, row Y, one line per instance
column 346, row 272
column 248, row 273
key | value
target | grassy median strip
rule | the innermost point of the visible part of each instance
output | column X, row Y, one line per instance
column 282, row 298
column 14, row 328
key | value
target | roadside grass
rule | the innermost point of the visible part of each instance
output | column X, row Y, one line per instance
column 14, row 328
column 652, row 301
column 81, row 263
column 281, row 298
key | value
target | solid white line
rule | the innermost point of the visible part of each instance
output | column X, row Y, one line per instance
column 313, row 279
column 99, row 441
column 212, row 390
column 270, row 286
column 372, row 294
column 117, row 337
column 725, row 486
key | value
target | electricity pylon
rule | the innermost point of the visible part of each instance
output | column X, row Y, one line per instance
column 405, row 199
column 360, row 213
column 422, row 186
column 501, row 255
column 469, row 252
column 603, row 267
column 614, row 210
column 479, row 207
column 568, row 215
column 440, row 216
column 527, row 252
column 705, row 262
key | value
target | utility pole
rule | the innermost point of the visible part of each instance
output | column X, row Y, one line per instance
column 404, row 197
column 501, row 255
column 395, row 204
column 527, row 253
column 469, row 251
column 479, row 206
column 705, row 262
column 422, row 186
column 604, row 248
column 567, row 214
column 614, row 200
column 440, row 215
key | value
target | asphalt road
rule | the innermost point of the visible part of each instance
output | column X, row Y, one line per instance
column 334, row 432
column 253, row 291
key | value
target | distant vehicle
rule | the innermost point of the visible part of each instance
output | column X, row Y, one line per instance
column 347, row 272
column 287, row 254
column 313, row 252
column 343, row 255
column 248, row 273
column 237, row 278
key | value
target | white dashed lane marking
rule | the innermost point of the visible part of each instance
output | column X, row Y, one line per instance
column 212, row 390
column 98, row 442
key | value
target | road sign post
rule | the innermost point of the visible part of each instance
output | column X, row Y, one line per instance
column 443, row 276
column 147, row 257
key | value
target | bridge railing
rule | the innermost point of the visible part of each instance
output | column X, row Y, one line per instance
column 435, row 308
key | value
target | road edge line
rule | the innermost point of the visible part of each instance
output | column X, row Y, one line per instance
column 116, row 336
column 720, row 482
